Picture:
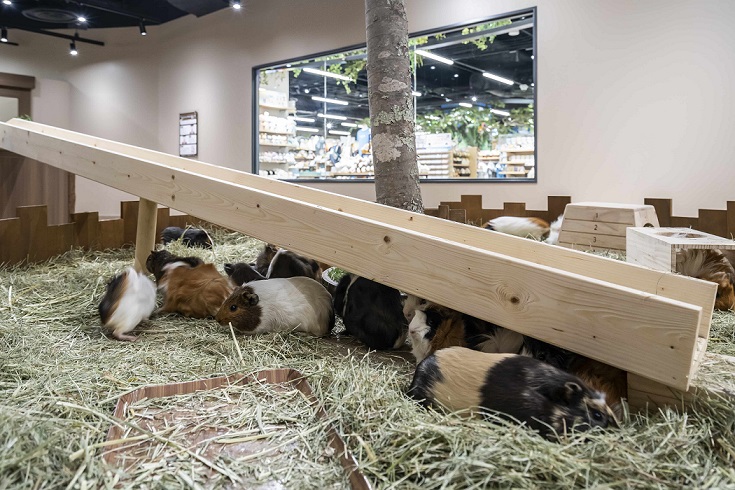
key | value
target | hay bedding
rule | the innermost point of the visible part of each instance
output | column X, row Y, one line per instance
column 60, row 379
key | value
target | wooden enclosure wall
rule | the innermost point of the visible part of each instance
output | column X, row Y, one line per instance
column 28, row 237
column 468, row 209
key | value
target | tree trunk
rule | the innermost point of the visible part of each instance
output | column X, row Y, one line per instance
column 391, row 105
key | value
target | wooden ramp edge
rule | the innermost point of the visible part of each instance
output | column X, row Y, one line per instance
column 641, row 332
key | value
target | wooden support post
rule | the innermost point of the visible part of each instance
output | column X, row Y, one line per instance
column 145, row 239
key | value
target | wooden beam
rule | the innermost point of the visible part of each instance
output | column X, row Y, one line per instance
column 623, row 325
column 145, row 239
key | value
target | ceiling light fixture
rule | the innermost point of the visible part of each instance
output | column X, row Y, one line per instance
column 497, row 78
column 142, row 28
column 327, row 74
column 7, row 2
column 307, row 130
column 474, row 99
column 428, row 54
column 73, row 48
column 415, row 94
column 81, row 19
column 465, row 104
column 236, row 5
column 499, row 112
column 302, row 119
column 456, row 75
column 329, row 101
column 4, row 37
column 349, row 125
column 331, row 116
column 342, row 133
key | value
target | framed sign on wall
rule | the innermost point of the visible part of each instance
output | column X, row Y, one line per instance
column 188, row 130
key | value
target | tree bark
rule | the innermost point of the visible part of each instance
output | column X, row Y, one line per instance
column 391, row 105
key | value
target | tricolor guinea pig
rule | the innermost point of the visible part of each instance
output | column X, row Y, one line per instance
column 543, row 397
column 611, row 381
column 191, row 237
column 279, row 305
column 159, row 259
column 535, row 228
column 196, row 292
column 371, row 312
column 286, row 263
column 710, row 265
column 129, row 299
column 411, row 304
column 435, row 327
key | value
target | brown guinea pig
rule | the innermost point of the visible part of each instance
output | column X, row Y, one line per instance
column 519, row 388
column 196, row 292
column 279, row 305
column 710, row 265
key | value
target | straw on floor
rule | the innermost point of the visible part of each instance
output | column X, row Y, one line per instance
column 60, row 378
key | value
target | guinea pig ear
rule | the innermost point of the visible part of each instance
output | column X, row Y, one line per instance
column 572, row 391
column 250, row 298
column 228, row 269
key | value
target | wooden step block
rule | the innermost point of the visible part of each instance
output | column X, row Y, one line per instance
column 656, row 247
column 602, row 225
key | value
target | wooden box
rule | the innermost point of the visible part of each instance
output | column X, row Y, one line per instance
column 656, row 247
column 602, row 225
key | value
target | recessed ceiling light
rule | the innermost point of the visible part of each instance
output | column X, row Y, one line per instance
column 433, row 67
column 306, row 90
column 236, row 5
column 474, row 99
column 81, row 19
column 456, row 75
column 7, row 2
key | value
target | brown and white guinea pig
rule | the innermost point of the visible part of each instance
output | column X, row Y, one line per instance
column 191, row 237
column 129, row 299
column 535, row 228
column 371, row 312
column 554, row 229
column 611, row 381
column 158, row 259
column 710, row 265
column 196, row 292
column 543, row 397
column 435, row 327
column 279, row 305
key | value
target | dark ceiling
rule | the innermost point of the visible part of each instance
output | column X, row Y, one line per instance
column 47, row 16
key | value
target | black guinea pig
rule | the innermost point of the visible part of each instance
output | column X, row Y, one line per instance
column 158, row 260
column 279, row 305
column 371, row 312
column 547, row 399
column 286, row 263
column 241, row 273
column 191, row 237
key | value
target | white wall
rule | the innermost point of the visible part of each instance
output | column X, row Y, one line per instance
column 634, row 98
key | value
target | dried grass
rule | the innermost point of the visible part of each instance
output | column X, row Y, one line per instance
column 60, row 379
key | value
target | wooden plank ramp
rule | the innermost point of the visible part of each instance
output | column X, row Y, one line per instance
column 642, row 321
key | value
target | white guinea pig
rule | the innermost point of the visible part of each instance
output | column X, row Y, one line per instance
column 130, row 298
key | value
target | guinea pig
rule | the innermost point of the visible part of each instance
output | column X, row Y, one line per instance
column 290, row 264
column 611, row 381
column 129, row 299
column 196, row 292
column 371, row 312
column 191, row 237
column 279, row 305
column 437, row 327
column 411, row 304
column 554, row 229
column 264, row 258
column 158, row 260
column 535, row 228
column 240, row 273
column 548, row 400
column 710, row 265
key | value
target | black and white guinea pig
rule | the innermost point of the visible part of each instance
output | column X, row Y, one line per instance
column 411, row 304
column 535, row 228
column 241, row 273
column 159, row 261
column 191, row 237
column 611, row 381
column 435, row 327
column 371, row 312
column 286, row 263
column 543, row 397
column 129, row 299
column 279, row 305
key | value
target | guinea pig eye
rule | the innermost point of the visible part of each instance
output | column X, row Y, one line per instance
column 233, row 307
column 597, row 415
